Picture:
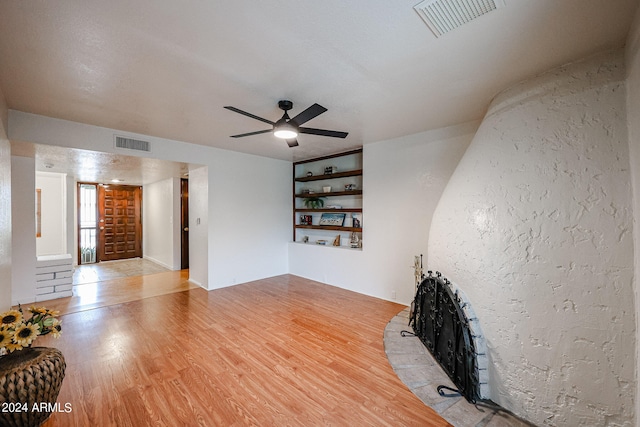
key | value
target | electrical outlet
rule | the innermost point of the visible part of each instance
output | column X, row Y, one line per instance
column 393, row 295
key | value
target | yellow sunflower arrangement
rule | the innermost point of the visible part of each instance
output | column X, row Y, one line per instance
column 17, row 332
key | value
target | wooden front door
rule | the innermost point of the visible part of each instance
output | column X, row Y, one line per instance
column 120, row 222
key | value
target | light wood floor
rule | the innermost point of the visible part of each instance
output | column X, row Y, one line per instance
column 87, row 296
column 276, row 352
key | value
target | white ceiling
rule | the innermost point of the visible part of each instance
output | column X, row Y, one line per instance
column 91, row 166
column 166, row 68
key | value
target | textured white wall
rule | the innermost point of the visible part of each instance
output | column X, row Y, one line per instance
column 633, row 120
column 535, row 226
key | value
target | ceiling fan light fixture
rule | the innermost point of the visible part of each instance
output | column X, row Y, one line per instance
column 285, row 130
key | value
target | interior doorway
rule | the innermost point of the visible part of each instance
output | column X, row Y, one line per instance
column 184, row 223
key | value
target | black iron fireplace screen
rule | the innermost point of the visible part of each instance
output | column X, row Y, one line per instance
column 438, row 320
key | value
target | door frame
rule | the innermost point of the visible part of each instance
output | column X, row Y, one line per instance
column 184, row 223
column 78, row 221
column 99, row 235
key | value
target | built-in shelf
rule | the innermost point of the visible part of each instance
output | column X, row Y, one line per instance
column 331, row 194
column 347, row 174
column 329, row 210
column 330, row 228
column 328, row 245
column 309, row 179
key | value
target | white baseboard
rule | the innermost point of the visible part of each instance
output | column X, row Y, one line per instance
column 160, row 263
column 195, row 282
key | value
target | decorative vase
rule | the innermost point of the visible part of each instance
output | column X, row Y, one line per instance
column 30, row 380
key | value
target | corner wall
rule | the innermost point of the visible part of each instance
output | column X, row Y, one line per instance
column 160, row 223
column 53, row 196
column 5, row 210
column 198, row 225
column 403, row 179
column 23, row 229
column 535, row 226
column 249, row 218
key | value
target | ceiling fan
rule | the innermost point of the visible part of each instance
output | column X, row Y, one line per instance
column 288, row 128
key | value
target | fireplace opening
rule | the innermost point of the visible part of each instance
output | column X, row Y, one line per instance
column 443, row 320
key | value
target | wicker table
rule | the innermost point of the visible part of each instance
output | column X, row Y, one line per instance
column 30, row 380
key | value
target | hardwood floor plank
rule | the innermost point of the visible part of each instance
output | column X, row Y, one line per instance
column 280, row 351
column 122, row 289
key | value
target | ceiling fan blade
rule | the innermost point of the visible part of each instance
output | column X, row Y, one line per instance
column 324, row 132
column 314, row 111
column 251, row 133
column 244, row 113
column 292, row 142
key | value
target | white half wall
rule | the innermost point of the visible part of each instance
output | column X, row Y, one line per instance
column 403, row 179
column 535, row 226
column 161, row 222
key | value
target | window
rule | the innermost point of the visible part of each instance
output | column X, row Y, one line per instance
column 87, row 220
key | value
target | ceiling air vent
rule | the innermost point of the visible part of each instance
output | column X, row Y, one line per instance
column 132, row 144
column 443, row 16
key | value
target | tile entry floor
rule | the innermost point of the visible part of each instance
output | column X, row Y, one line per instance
column 107, row 270
column 419, row 371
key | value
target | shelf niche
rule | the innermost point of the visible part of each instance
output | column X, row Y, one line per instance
column 344, row 195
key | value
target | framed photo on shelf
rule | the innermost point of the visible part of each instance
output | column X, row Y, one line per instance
column 333, row 219
column 328, row 170
column 356, row 220
column 305, row 219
